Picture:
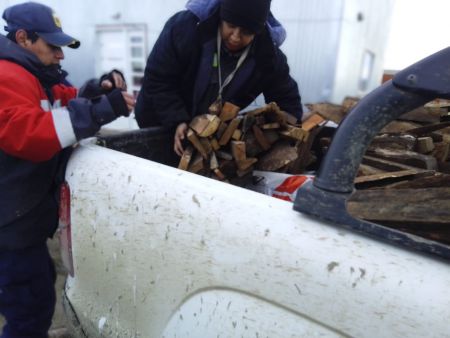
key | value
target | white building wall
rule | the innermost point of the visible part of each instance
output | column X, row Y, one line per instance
column 325, row 41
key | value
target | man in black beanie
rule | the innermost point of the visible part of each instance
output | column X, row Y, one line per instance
column 216, row 51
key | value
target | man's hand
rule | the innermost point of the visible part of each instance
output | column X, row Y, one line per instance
column 114, row 80
column 180, row 134
column 129, row 100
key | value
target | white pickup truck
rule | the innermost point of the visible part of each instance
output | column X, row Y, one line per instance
column 158, row 252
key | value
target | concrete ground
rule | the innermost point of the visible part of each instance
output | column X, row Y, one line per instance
column 59, row 320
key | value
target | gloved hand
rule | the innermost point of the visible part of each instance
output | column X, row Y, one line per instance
column 121, row 102
column 112, row 80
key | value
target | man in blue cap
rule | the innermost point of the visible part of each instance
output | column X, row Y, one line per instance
column 40, row 120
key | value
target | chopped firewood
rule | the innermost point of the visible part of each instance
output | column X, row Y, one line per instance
column 425, row 145
column 238, row 150
column 213, row 163
column 214, row 143
column 197, row 164
column 242, row 173
column 406, row 157
column 295, row 133
column 260, row 120
column 196, row 143
column 228, row 168
column 402, row 205
column 222, row 127
column 206, row 145
column 280, row 155
column 259, row 111
column 186, row 158
column 312, row 122
column 252, row 146
column 260, row 138
column 304, row 154
column 247, row 123
column 224, row 155
column 215, row 108
column 219, row 174
column 273, row 125
column 271, row 136
column 246, row 163
column 229, row 112
column 229, row 131
column 327, row 111
column 205, row 125
column 237, row 135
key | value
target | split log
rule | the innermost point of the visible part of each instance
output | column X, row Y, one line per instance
column 196, row 143
column 280, row 155
column 186, row 158
column 406, row 157
column 229, row 112
column 229, row 131
column 205, row 125
column 327, row 111
column 312, row 122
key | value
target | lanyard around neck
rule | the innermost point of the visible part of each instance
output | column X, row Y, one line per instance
column 239, row 63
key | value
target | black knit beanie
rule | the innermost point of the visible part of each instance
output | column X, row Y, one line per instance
column 248, row 14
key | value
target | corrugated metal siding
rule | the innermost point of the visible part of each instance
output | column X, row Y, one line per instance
column 313, row 36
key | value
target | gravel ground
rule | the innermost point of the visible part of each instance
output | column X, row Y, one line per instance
column 59, row 320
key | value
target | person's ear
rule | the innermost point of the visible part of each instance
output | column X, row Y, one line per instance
column 22, row 38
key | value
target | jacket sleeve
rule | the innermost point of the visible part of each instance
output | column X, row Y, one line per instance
column 283, row 89
column 159, row 101
column 31, row 129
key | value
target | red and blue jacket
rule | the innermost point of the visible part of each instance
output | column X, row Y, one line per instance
column 38, row 120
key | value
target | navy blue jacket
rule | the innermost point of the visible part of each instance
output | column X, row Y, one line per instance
column 179, row 68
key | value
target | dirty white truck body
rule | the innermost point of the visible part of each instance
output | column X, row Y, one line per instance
column 159, row 252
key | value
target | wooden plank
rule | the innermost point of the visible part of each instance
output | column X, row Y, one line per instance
column 398, row 127
column 422, row 115
column 229, row 112
column 384, row 164
column 402, row 205
column 406, row 157
column 229, row 131
column 367, row 170
column 432, row 180
column 423, row 131
column 405, row 142
column 380, row 180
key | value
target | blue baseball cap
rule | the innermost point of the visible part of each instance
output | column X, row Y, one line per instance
column 42, row 20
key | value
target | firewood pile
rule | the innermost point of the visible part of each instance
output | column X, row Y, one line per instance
column 403, row 180
column 228, row 145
